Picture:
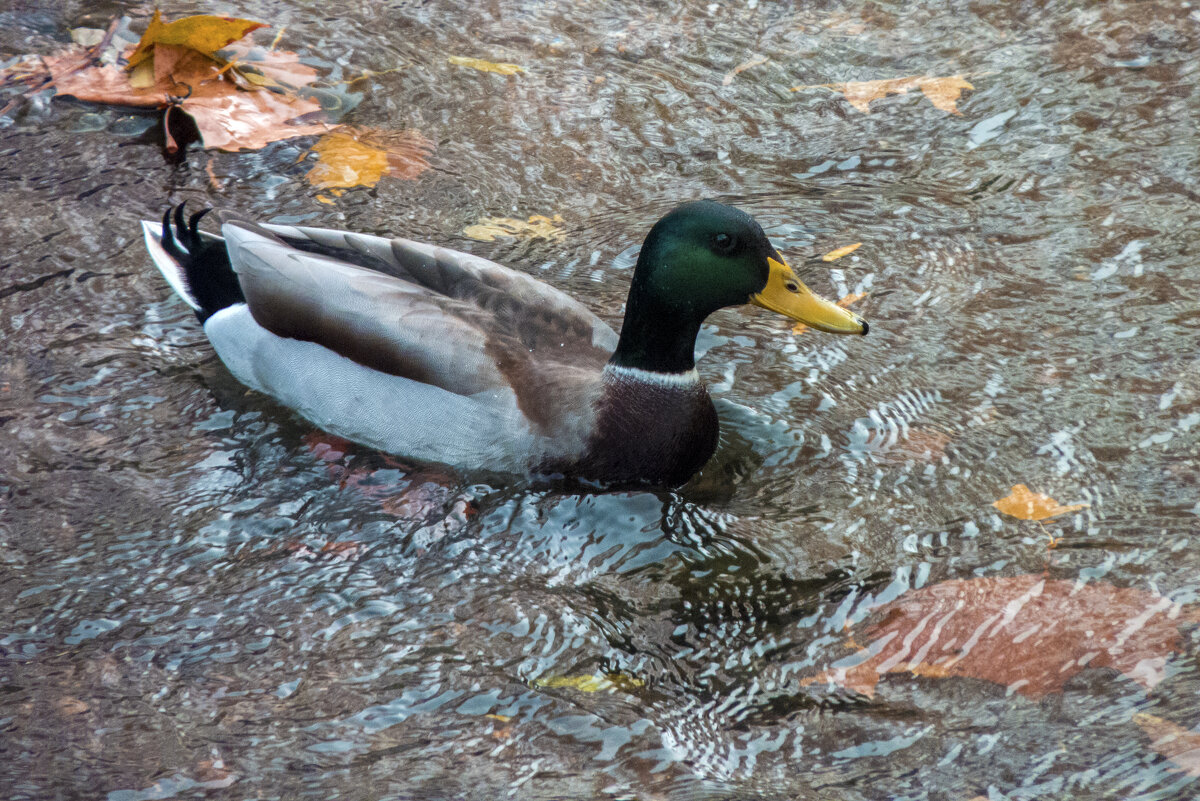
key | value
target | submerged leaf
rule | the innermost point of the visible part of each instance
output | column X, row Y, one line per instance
column 203, row 33
column 1026, row 505
column 538, row 227
column 943, row 93
column 1171, row 740
column 1028, row 633
column 358, row 157
column 485, row 66
column 740, row 68
column 592, row 684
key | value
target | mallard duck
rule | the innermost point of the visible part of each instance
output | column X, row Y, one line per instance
column 443, row 356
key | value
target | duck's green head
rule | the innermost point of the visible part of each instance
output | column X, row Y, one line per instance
column 704, row 256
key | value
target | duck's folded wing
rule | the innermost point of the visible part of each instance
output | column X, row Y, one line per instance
column 432, row 318
column 519, row 304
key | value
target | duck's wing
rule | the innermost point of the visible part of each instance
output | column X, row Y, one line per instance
column 428, row 314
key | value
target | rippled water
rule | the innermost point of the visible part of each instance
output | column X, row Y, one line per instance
column 207, row 598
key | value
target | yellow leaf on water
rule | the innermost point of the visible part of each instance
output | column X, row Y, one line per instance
column 834, row 255
column 485, row 66
column 591, row 684
column 943, row 93
column 1173, row 741
column 853, row 297
column 360, row 157
column 203, row 33
column 740, row 68
column 1026, row 505
column 501, row 718
column 538, row 227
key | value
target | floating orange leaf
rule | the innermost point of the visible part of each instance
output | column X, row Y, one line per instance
column 360, row 157
column 485, row 66
column 1028, row 633
column 846, row 250
column 1026, row 505
column 740, row 68
column 1174, row 742
column 203, row 33
column 942, row 92
column 853, row 297
column 538, row 227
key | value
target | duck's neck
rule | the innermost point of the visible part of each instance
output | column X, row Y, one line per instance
column 656, row 339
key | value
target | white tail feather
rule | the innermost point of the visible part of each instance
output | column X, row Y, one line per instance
column 171, row 269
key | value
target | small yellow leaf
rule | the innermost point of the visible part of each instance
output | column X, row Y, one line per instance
column 740, row 68
column 203, row 33
column 834, row 255
column 501, row 718
column 485, row 66
column 142, row 76
column 1026, row 505
column 359, row 157
column 591, row 684
column 538, row 227
column 323, row 199
column 853, row 297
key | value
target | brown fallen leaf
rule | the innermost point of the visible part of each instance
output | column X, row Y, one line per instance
column 1026, row 505
column 203, row 33
column 360, row 157
column 740, row 68
column 1028, row 633
column 844, row 302
column 485, row 66
column 1180, row 745
column 942, row 92
column 837, row 253
column 538, row 227
column 270, row 68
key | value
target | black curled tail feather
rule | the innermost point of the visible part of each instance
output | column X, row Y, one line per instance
column 204, row 262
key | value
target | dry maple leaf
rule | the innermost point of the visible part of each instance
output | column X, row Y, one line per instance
column 1172, row 741
column 1028, row 633
column 360, row 157
column 1026, row 505
column 485, row 66
column 942, row 92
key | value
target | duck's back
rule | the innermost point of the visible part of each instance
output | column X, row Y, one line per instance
column 412, row 348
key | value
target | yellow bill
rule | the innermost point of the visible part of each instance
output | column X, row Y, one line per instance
column 787, row 295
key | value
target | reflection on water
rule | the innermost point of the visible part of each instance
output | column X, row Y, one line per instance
column 209, row 598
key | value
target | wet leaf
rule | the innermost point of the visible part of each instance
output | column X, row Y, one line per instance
column 1172, row 741
column 268, row 68
column 359, row 157
column 591, row 683
column 740, row 68
column 501, row 718
column 488, row 229
column 485, row 66
column 203, row 33
column 844, row 302
column 942, row 92
column 845, row 250
column 1028, row 633
column 1026, row 505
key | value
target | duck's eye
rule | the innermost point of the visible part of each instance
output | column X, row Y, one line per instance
column 724, row 243
column 792, row 286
